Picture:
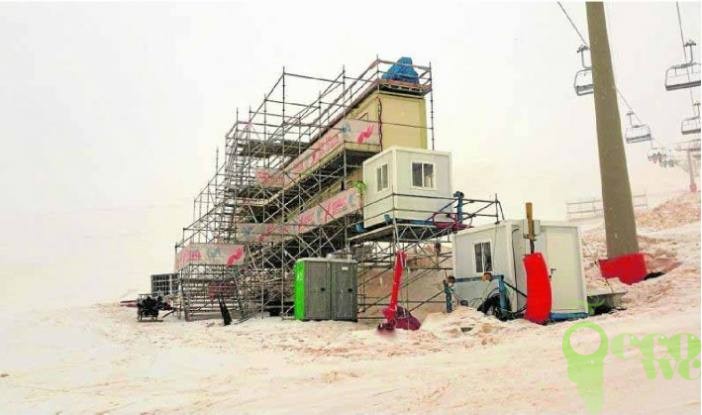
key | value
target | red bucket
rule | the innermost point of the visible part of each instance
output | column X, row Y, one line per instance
column 629, row 268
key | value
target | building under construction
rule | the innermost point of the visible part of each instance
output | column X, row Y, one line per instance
column 292, row 185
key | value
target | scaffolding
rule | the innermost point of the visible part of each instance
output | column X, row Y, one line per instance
column 164, row 285
column 291, row 187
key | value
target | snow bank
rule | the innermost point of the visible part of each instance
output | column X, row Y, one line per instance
column 678, row 211
column 667, row 233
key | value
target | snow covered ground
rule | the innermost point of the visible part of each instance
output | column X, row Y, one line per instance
column 100, row 360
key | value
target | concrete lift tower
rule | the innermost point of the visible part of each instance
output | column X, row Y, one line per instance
column 620, row 225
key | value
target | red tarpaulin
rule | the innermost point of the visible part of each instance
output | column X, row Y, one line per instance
column 538, row 306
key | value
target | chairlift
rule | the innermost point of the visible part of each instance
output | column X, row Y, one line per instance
column 685, row 75
column 668, row 160
column 691, row 125
column 655, row 155
column 583, row 78
column 637, row 133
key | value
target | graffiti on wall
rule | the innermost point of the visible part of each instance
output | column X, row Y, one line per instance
column 209, row 254
column 345, row 131
column 269, row 177
column 333, row 208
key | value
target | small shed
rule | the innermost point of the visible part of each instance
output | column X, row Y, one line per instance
column 407, row 184
column 499, row 249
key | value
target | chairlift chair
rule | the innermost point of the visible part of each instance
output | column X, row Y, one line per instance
column 583, row 78
column 684, row 75
column 656, row 155
column 668, row 160
column 652, row 156
column 637, row 133
column 691, row 125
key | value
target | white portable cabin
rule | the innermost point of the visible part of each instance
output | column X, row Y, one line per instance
column 406, row 184
column 500, row 248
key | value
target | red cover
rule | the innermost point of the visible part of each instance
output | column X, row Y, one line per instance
column 538, row 306
column 391, row 309
column 629, row 268
column 405, row 320
column 396, row 316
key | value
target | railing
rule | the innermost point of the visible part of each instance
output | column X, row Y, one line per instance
column 453, row 212
column 593, row 208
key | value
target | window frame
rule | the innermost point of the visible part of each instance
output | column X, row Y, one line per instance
column 379, row 178
column 482, row 243
column 423, row 163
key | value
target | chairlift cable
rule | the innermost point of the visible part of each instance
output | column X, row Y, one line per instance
column 682, row 41
column 682, row 36
column 619, row 93
column 658, row 145
column 582, row 39
column 628, row 106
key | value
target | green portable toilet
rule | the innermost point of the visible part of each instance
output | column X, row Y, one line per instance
column 299, row 290
column 325, row 289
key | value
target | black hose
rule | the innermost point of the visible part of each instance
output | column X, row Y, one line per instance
column 514, row 266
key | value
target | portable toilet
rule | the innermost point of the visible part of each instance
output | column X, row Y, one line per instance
column 499, row 249
column 325, row 289
column 408, row 184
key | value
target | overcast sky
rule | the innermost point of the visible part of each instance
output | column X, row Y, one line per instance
column 111, row 113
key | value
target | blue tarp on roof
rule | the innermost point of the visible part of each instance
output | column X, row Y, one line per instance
column 403, row 71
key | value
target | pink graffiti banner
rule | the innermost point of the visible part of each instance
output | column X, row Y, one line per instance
column 269, row 178
column 333, row 208
column 345, row 131
column 209, row 254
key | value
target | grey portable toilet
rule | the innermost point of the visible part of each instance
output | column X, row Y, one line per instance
column 317, row 289
column 325, row 289
column 344, row 303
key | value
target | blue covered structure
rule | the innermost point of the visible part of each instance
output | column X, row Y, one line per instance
column 403, row 71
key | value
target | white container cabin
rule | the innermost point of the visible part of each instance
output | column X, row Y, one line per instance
column 499, row 249
column 407, row 184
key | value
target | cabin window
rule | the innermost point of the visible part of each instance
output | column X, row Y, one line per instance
column 483, row 257
column 381, row 174
column 423, row 175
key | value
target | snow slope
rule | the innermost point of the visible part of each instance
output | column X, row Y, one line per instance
column 100, row 360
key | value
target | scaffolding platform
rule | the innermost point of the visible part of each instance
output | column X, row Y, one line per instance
column 290, row 186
